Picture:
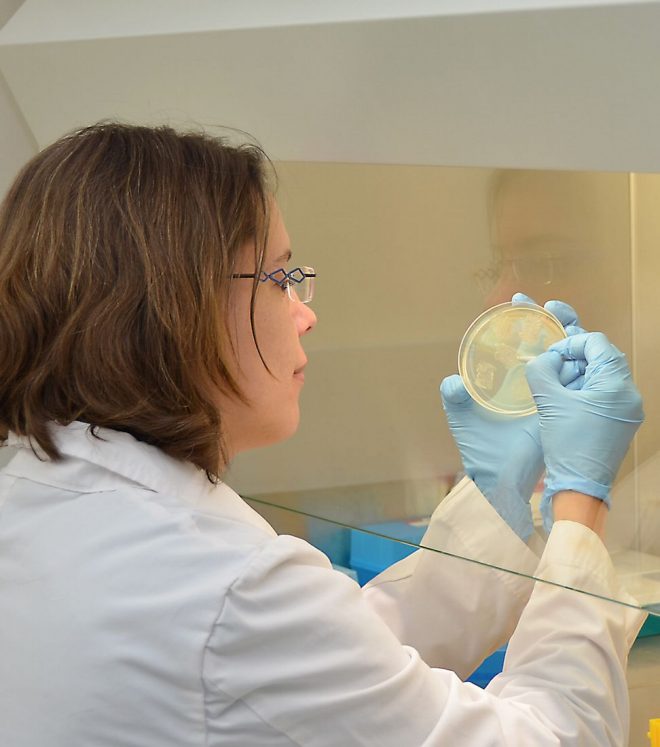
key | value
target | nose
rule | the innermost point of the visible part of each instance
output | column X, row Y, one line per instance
column 305, row 318
column 503, row 289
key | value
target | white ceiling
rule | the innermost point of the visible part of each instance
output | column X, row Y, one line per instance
column 67, row 20
column 451, row 83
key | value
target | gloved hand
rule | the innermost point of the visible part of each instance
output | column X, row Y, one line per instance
column 585, row 433
column 503, row 455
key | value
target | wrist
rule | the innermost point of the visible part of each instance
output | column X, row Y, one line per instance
column 569, row 481
column 569, row 505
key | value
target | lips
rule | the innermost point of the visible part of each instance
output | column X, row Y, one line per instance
column 299, row 373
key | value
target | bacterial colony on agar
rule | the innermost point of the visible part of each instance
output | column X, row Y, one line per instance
column 495, row 349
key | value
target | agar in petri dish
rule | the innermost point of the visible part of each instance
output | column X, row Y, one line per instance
column 494, row 350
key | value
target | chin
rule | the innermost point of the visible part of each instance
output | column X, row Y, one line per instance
column 280, row 431
column 289, row 431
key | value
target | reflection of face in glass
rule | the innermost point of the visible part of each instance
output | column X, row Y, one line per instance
column 540, row 235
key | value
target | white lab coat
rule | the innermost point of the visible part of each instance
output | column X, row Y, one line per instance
column 141, row 606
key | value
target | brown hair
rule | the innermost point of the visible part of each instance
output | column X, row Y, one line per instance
column 117, row 245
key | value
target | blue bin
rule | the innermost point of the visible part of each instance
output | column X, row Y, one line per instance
column 371, row 554
column 488, row 668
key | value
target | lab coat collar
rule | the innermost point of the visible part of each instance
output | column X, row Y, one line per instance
column 120, row 456
column 90, row 465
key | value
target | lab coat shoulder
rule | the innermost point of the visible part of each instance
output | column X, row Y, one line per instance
column 297, row 653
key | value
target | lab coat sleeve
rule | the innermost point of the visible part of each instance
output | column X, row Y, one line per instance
column 297, row 657
column 452, row 586
column 570, row 649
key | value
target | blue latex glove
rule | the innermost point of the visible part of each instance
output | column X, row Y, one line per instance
column 585, row 433
column 503, row 455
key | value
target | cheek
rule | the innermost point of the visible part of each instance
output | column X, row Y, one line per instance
column 502, row 291
column 276, row 334
column 245, row 364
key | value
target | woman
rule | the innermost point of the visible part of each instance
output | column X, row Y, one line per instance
column 151, row 330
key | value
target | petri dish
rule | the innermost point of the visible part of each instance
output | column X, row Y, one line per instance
column 494, row 350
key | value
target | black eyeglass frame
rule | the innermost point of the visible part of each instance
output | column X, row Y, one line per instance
column 284, row 279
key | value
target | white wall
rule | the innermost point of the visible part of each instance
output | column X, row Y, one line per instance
column 100, row 19
column 17, row 145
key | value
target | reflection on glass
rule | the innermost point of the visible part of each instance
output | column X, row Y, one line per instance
column 428, row 249
column 363, row 551
column 546, row 234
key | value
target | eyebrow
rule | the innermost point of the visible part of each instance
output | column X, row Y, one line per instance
column 281, row 260
column 286, row 257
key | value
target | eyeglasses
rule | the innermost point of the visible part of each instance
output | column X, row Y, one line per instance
column 538, row 261
column 537, row 270
column 298, row 283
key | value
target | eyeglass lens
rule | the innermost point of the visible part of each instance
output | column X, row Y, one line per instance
column 301, row 285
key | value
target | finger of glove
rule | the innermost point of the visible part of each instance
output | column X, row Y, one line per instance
column 594, row 347
column 520, row 298
column 453, row 392
column 572, row 329
column 570, row 371
column 543, row 372
column 589, row 346
column 603, row 359
column 566, row 314
column 576, row 384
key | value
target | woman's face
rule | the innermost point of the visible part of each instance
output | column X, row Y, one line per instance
column 271, row 413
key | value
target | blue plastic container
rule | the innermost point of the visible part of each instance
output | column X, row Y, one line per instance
column 371, row 554
column 488, row 668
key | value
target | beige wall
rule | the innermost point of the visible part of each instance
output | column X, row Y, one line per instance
column 395, row 248
column 17, row 144
column 646, row 257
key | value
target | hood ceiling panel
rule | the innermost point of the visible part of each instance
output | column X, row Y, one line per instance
column 555, row 88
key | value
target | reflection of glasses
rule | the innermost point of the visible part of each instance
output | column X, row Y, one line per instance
column 298, row 283
column 541, row 269
column 543, row 260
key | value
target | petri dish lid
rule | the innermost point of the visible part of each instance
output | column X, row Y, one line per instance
column 494, row 350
